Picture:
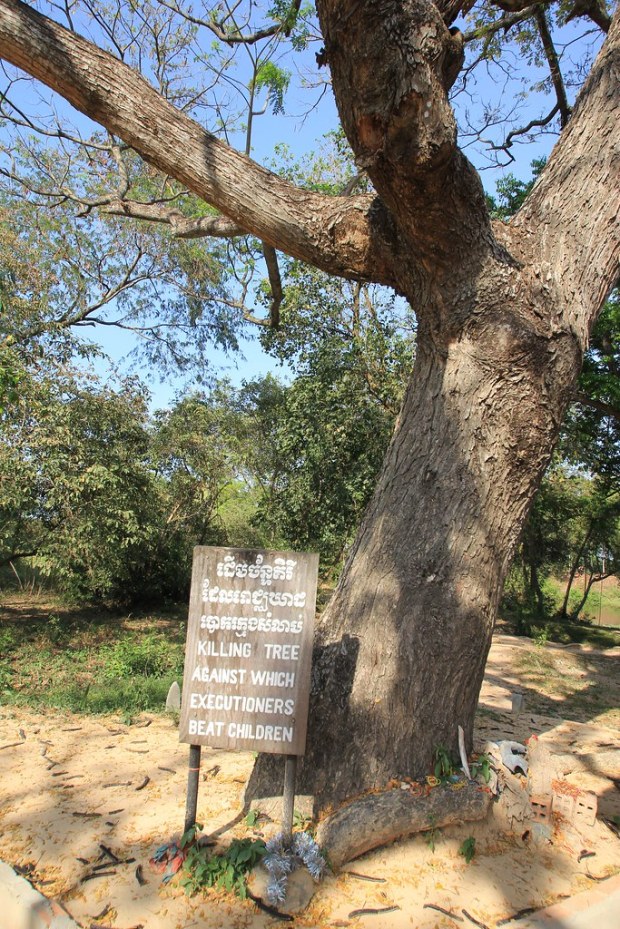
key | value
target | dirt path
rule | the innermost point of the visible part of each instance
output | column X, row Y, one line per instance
column 70, row 786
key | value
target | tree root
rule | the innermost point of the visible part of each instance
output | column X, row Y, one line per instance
column 379, row 818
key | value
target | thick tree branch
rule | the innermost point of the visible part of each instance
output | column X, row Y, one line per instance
column 405, row 138
column 452, row 9
column 512, row 6
column 347, row 236
column 576, row 245
column 275, row 282
column 414, row 123
column 592, row 9
column 6, row 560
column 607, row 409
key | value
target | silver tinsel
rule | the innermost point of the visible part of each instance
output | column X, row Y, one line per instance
column 281, row 859
column 309, row 853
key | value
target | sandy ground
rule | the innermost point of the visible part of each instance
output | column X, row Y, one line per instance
column 70, row 785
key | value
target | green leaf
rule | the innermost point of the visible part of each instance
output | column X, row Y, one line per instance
column 468, row 849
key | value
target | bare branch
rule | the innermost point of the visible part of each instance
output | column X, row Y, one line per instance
column 275, row 282
column 600, row 406
column 350, row 186
column 501, row 25
column 554, row 65
column 19, row 118
column 521, row 10
column 234, row 36
column 182, row 226
column 523, row 130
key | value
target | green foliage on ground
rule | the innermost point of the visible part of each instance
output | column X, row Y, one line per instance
column 444, row 763
column 227, row 870
column 468, row 849
column 87, row 661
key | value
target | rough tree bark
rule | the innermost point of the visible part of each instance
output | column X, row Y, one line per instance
column 504, row 314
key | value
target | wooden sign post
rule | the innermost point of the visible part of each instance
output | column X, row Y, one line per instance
column 248, row 657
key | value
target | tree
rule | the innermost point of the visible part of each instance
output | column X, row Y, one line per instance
column 100, row 272
column 351, row 355
column 107, row 501
column 76, row 492
column 504, row 312
column 595, row 547
column 545, row 544
column 572, row 532
column 198, row 452
column 590, row 437
column 572, row 523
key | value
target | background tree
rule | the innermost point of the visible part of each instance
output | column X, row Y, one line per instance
column 108, row 502
column 544, row 547
column 504, row 312
column 591, row 435
column 593, row 543
column 571, row 535
column 75, row 491
column 351, row 352
column 201, row 452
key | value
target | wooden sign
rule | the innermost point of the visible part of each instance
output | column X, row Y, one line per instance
column 248, row 653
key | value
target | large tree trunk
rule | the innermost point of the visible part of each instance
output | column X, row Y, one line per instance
column 401, row 649
column 504, row 319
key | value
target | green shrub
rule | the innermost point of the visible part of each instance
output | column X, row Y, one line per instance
column 148, row 656
column 227, row 871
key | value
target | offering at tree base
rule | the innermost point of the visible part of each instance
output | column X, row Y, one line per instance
column 249, row 650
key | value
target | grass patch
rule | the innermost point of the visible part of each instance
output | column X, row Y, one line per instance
column 580, row 633
column 87, row 662
column 598, row 624
column 577, row 686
